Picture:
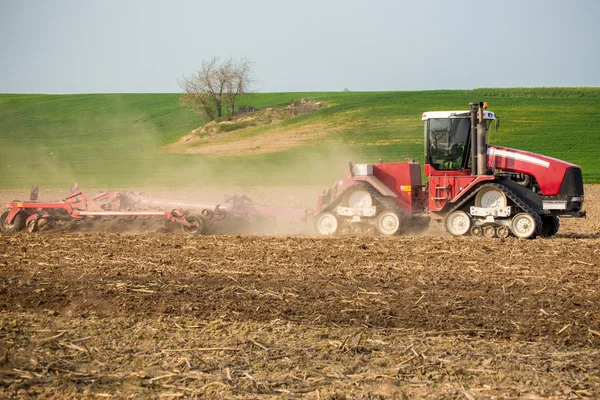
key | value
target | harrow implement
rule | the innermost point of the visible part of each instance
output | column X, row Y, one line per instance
column 79, row 207
column 192, row 216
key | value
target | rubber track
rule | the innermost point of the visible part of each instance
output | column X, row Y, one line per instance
column 515, row 199
column 555, row 226
column 387, row 202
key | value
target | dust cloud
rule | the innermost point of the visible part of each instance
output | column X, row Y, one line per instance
column 111, row 162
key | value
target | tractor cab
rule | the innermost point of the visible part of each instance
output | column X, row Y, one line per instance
column 448, row 139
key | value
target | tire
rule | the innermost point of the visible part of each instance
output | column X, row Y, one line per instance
column 195, row 229
column 523, row 226
column 550, row 226
column 326, row 224
column 388, row 223
column 458, row 223
column 17, row 224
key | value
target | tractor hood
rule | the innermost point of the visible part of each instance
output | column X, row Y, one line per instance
column 553, row 176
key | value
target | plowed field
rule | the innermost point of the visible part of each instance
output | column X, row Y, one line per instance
column 248, row 316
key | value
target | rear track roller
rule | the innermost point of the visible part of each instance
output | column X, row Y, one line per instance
column 326, row 224
column 458, row 223
column 489, row 231
column 502, row 232
column 523, row 226
column 476, row 231
column 388, row 223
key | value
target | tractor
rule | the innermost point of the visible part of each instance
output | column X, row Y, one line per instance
column 476, row 189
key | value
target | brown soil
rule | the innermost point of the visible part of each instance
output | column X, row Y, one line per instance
column 166, row 315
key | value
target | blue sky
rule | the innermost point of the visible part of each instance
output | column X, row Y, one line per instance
column 77, row 46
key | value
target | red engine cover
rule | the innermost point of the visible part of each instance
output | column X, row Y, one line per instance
column 549, row 172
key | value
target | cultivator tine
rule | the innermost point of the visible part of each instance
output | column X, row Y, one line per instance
column 31, row 225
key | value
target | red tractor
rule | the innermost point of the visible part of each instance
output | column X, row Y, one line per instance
column 477, row 189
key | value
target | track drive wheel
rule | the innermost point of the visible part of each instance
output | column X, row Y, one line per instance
column 326, row 224
column 458, row 223
column 197, row 225
column 17, row 224
column 550, row 225
column 388, row 223
column 358, row 197
column 490, row 197
column 523, row 226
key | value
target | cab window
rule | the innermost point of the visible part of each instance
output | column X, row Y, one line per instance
column 447, row 142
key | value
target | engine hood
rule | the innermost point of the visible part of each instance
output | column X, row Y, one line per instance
column 549, row 172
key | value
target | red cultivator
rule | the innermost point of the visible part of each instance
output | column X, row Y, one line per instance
column 106, row 206
column 79, row 207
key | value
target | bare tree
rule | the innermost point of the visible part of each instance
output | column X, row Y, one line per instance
column 217, row 85
column 241, row 78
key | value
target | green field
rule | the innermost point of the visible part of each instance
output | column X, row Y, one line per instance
column 116, row 140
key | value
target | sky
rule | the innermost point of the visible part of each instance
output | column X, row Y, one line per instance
column 147, row 46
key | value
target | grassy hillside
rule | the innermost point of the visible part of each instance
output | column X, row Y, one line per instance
column 118, row 140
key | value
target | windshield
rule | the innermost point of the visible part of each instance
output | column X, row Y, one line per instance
column 447, row 141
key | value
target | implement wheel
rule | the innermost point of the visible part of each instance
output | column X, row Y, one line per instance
column 17, row 224
column 197, row 225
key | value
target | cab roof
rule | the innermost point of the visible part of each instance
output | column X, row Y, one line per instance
column 454, row 114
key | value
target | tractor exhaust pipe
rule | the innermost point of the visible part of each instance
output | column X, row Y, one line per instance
column 481, row 143
column 474, row 107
